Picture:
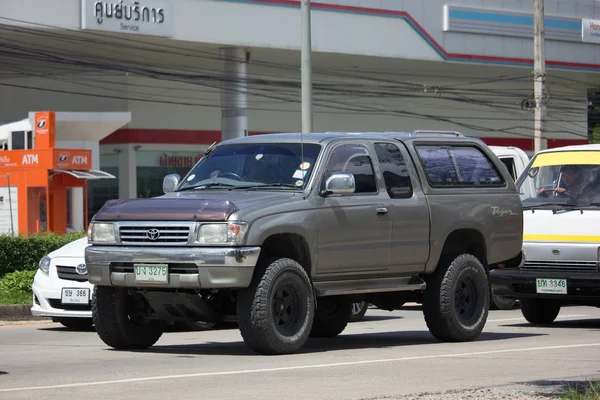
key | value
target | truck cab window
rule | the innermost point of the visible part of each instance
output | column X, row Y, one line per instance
column 395, row 173
column 354, row 159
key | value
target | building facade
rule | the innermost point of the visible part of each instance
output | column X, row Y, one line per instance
column 192, row 72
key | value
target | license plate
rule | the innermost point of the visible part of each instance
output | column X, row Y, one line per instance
column 75, row 296
column 158, row 273
column 551, row 286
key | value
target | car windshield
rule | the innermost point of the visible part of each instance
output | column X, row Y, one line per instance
column 562, row 178
column 253, row 165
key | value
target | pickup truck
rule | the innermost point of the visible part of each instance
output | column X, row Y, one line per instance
column 283, row 232
column 560, row 191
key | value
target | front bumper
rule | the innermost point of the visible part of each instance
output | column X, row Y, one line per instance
column 213, row 267
column 517, row 284
column 47, row 293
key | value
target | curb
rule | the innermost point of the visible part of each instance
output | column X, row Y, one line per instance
column 17, row 312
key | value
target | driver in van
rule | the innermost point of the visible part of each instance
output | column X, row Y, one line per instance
column 569, row 182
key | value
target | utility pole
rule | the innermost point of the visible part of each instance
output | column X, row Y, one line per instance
column 539, row 73
column 306, row 67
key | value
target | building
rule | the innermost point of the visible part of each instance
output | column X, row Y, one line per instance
column 193, row 71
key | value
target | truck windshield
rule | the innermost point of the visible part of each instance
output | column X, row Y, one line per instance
column 562, row 178
column 257, row 165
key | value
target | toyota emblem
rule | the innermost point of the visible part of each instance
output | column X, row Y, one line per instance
column 81, row 269
column 153, row 234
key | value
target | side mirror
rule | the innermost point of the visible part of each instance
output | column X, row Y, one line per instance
column 170, row 182
column 339, row 184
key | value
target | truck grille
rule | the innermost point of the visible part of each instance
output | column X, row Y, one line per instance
column 174, row 268
column 558, row 266
column 159, row 235
column 68, row 273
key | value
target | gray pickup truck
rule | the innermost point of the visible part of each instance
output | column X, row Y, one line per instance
column 283, row 232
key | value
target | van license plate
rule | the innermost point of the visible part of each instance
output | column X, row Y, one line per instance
column 551, row 286
column 158, row 273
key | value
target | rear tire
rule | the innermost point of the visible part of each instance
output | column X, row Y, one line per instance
column 331, row 316
column 359, row 309
column 457, row 299
column 538, row 311
column 502, row 303
column 276, row 312
column 119, row 321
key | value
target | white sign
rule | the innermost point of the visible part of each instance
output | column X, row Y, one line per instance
column 144, row 17
column 590, row 31
column 5, row 210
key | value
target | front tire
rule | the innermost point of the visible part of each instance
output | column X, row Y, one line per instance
column 457, row 299
column 119, row 319
column 538, row 311
column 275, row 314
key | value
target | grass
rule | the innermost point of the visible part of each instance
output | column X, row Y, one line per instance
column 590, row 391
column 14, row 297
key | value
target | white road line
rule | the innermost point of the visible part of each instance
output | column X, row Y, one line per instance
column 293, row 368
column 523, row 319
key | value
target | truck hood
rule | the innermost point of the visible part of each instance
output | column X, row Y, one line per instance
column 564, row 226
column 188, row 206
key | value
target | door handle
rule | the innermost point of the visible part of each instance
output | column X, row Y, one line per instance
column 382, row 210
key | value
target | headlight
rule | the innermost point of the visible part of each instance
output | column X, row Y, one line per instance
column 225, row 233
column 101, row 232
column 44, row 265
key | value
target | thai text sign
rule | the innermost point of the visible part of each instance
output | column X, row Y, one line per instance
column 144, row 17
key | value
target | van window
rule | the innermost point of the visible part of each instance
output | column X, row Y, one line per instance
column 458, row 166
column 509, row 163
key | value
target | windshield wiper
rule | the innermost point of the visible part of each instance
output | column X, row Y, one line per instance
column 533, row 206
column 207, row 185
column 266, row 185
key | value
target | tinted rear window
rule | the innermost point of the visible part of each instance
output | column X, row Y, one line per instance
column 458, row 166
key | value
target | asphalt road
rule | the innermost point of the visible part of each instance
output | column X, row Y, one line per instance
column 388, row 355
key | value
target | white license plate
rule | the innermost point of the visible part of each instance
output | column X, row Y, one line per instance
column 551, row 286
column 158, row 273
column 75, row 296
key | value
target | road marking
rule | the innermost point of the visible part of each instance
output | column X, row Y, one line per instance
column 523, row 319
column 293, row 368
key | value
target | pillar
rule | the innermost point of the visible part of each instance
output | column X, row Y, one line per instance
column 127, row 172
column 77, row 212
column 234, row 120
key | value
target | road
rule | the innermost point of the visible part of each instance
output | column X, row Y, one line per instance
column 388, row 355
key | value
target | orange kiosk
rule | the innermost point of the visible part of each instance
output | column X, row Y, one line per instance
column 35, row 180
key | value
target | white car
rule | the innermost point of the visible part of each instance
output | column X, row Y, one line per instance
column 61, row 289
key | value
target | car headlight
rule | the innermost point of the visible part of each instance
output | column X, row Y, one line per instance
column 223, row 233
column 44, row 265
column 101, row 232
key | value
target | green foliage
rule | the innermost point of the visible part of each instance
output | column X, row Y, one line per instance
column 18, row 281
column 20, row 253
column 589, row 391
column 15, row 297
column 594, row 136
column 15, row 287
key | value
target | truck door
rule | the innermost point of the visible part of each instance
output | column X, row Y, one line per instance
column 354, row 233
column 408, row 209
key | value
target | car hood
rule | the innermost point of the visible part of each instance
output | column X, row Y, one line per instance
column 189, row 206
column 563, row 226
column 74, row 249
